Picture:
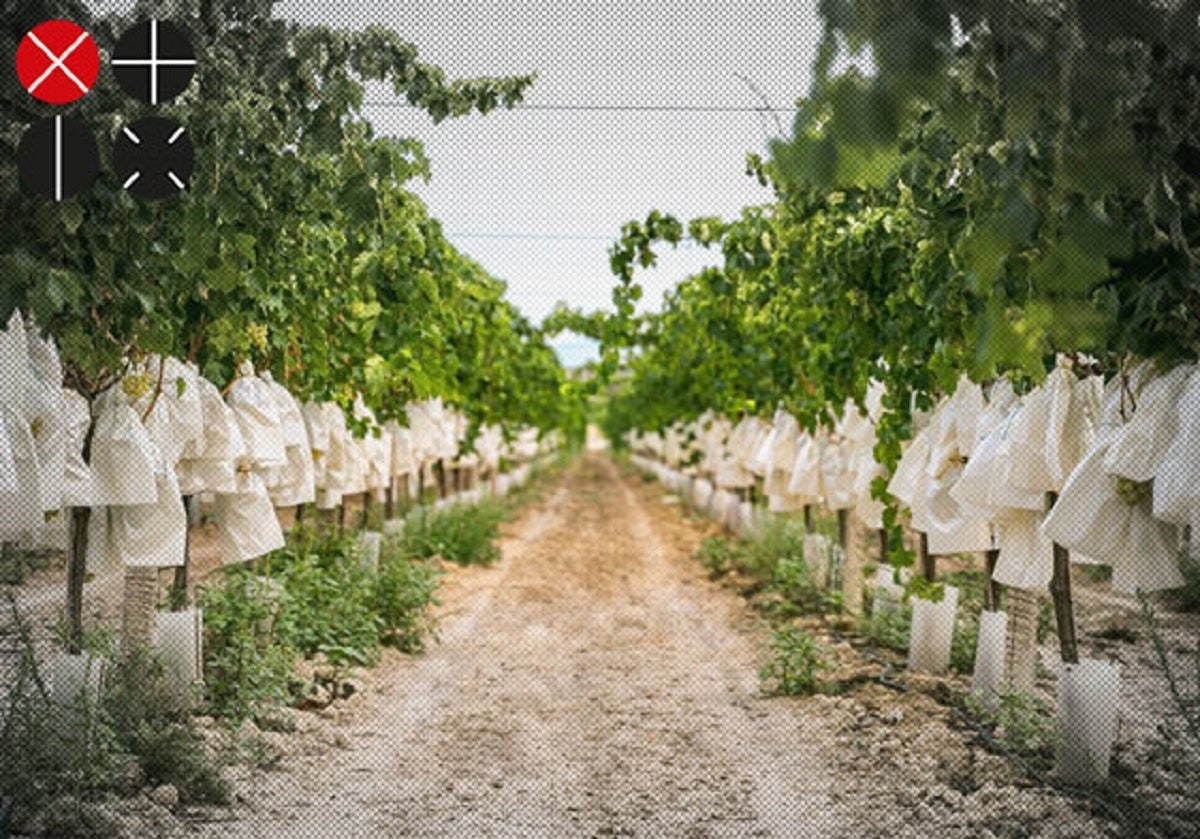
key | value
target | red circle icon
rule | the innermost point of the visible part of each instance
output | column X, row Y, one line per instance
column 57, row 61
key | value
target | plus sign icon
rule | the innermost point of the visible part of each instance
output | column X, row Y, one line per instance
column 57, row 62
column 154, row 61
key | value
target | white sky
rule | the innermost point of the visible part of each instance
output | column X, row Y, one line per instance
column 538, row 196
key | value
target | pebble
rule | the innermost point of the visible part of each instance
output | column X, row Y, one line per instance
column 165, row 796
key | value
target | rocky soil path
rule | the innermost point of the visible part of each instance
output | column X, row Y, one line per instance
column 592, row 683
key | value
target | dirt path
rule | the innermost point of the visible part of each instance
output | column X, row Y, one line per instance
column 593, row 683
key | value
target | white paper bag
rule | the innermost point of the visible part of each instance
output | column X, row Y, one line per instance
column 153, row 534
column 124, row 458
column 248, row 526
column 257, row 414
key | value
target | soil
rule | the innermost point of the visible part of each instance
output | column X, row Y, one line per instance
column 595, row 682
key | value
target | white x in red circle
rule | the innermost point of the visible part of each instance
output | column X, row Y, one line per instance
column 57, row 62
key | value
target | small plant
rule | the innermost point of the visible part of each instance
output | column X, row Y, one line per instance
column 1021, row 722
column 462, row 534
column 403, row 592
column 1187, row 701
column 1186, row 598
column 887, row 629
column 965, row 642
column 970, row 585
column 793, row 580
column 137, row 729
column 327, row 607
column 795, row 659
column 719, row 555
column 247, row 669
column 154, row 722
column 316, row 600
column 780, row 539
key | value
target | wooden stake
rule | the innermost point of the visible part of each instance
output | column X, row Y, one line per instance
column 180, row 584
column 809, row 525
column 928, row 562
column 1060, row 592
column 439, row 470
column 991, row 588
column 76, row 573
column 9, row 559
column 843, row 530
column 77, row 549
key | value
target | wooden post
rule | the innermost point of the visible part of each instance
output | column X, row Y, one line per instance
column 1060, row 592
column 77, row 549
column 367, row 500
column 991, row 588
column 809, row 525
column 883, row 546
column 11, row 570
column 76, row 573
column 928, row 562
column 440, row 472
column 179, row 585
column 843, row 530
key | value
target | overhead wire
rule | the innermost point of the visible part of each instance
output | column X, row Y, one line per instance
column 615, row 107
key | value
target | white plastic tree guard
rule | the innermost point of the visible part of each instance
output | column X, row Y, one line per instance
column 888, row 594
column 988, row 678
column 75, row 679
column 932, row 632
column 1088, row 699
column 817, row 551
column 369, row 544
column 179, row 640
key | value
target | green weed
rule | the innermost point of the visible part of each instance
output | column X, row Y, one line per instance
column 970, row 585
column 1021, row 722
column 316, row 600
column 247, row 668
column 403, row 591
column 888, row 630
column 462, row 534
column 719, row 555
column 1186, row 598
column 137, row 730
column 792, row 579
column 328, row 601
column 794, row 662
